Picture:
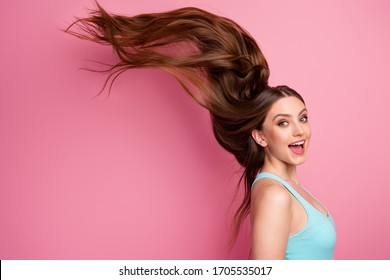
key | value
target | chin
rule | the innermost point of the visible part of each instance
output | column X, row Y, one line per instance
column 301, row 162
column 298, row 161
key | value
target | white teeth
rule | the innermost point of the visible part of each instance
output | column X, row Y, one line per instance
column 298, row 143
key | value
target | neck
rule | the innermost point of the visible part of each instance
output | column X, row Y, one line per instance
column 287, row 172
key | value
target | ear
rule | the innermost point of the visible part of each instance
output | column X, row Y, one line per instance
column 259, row 138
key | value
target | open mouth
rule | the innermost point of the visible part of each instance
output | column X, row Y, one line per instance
column 297, row 147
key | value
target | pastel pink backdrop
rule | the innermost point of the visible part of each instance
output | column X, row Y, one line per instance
column 140, row 176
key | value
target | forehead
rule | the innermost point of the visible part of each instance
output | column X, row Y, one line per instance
column 289, row 105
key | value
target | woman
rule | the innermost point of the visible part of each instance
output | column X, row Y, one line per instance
column 265, row 128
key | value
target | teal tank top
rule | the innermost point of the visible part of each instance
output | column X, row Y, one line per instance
column 316, row 241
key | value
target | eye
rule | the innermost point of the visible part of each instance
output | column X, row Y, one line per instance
column 283, row 123
column 304, row 119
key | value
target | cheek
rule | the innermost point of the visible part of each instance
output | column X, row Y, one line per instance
column 308, row 132
column 279, row 139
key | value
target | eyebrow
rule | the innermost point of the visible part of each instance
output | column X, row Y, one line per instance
column 287, row 115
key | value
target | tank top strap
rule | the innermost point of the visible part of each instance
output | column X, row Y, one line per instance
column 284, row 183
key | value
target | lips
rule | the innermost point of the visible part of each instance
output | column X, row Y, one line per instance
column 297, row 147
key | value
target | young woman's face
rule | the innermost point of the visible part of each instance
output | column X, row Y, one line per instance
column 286, row 132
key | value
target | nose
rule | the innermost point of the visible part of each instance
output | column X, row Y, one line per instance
column 298, row 129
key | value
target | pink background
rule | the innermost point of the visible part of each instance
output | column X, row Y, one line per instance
column 140, row 176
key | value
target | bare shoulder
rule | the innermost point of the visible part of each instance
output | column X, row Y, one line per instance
column 270, row 191
column 271, row 214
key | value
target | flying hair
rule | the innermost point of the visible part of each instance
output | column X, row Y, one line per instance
column 215, row 60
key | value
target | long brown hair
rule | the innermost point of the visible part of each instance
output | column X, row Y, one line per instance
column 215, row 60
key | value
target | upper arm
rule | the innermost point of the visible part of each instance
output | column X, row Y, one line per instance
column 271, row 219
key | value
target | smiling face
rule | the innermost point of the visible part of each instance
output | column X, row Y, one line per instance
column 285, row 133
